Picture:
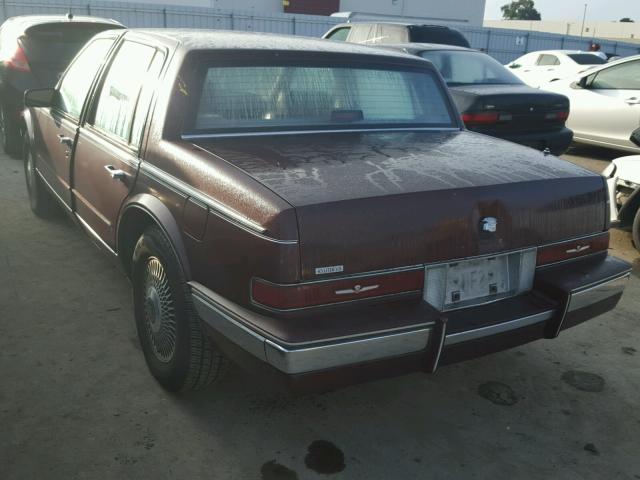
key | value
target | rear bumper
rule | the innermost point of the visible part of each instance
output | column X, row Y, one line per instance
column 556, row 141
column 560, row 300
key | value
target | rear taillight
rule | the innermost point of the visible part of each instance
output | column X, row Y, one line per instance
column 312, row 294
column 471, row 119
column 18, row 61
column 559, row 252
column 557, row 116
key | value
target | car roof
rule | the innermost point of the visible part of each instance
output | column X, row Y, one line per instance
column 421, row 47
column 197, row 39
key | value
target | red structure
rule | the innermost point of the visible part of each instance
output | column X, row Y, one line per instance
column 311, row 7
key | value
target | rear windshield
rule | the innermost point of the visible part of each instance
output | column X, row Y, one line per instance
column 445, row 36
column 304, row 97
column 587, row 59
column 58, row 43
column 469, row 68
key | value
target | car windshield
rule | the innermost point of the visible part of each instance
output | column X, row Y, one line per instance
column 587, row 59
column 470, row 68
column 276, row 97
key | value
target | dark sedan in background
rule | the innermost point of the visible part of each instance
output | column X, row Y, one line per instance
column 34, row 51
column 494, row 101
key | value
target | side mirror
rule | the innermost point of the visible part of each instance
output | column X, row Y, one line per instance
column 39, row 97
column 580, row 83
column 635, row 137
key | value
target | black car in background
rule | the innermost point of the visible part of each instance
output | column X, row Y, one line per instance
column 391, row 32
column 494, row 101
column 34, row 51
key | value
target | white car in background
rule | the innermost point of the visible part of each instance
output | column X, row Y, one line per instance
column 605, row 104
column 623, row 180
column 538, row 68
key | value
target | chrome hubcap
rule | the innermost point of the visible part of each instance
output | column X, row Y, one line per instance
column 31, row 174
column 159, row 312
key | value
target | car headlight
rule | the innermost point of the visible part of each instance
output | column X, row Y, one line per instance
column 610, row 171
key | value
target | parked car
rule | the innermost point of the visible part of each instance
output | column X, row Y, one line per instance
column 390, row 32
column 495, row 102
column 623, row 179
column 539, row 68
column 605, row 104
column 34, row 50
column 314, row 210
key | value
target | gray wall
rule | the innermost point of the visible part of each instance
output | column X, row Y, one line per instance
column 504, row 45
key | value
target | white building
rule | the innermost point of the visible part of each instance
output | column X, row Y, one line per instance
column 621, row 31
column 466, row 12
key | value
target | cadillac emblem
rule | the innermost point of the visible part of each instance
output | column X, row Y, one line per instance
column 489, row 224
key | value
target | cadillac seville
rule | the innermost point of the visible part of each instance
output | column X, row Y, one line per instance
column 314, row 211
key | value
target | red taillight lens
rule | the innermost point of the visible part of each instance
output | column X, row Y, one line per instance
column 471, row 119
column 287, row 297
column 572, row 249
column 18, row 61
column 557, row 116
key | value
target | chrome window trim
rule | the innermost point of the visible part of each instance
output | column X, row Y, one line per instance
column 214, row 206
column 198, row 136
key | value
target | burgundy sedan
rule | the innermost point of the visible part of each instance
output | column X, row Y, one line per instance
column 314, row 211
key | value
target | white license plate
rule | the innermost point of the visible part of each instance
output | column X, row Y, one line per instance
column 472, row 279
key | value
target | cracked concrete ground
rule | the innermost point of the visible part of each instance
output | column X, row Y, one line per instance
column 76, row 400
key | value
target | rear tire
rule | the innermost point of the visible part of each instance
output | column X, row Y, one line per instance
column 176, row 350
column 9, row 133
column 41, row 201
column 636, row 230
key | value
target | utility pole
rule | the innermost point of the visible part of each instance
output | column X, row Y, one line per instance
column 584, row 17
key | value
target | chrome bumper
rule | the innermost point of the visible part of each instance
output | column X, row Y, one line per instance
column 594, row 293
column 296, row 359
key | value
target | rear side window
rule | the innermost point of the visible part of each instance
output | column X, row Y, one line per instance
column 340, row 34
column 618, row 77
column 78, row 78
column 121, row 89
column 297, row 97
column 58, row 43
column 546, row 60
column 587, row 59
column 434, row 34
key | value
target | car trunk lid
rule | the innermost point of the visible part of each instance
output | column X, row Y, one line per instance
column 368, row 202
column 520, row 107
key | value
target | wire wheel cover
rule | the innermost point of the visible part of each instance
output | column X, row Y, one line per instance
column 159, row 311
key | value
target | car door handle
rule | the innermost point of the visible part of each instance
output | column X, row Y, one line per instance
column 115, row 173
column 632, row 101
column 65, row 140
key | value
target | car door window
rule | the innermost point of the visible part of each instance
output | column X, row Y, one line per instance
column 546, row 60
column 144, row 101
column 340, row 34
column 618, row 77
column 79, row 76
column 121, row 89
column 362, row 33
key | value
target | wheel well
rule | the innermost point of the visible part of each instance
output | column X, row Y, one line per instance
column 131, row 227
column 630, row 209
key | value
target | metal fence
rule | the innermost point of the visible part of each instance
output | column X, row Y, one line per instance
column 504, row 45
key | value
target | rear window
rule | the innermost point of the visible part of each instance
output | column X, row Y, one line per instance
column 469, row 68
column 429, row 34
column 298, row 97
column 587, row 59
column 58, row 43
